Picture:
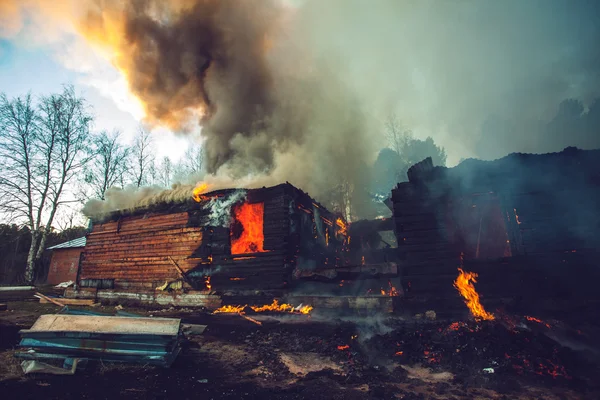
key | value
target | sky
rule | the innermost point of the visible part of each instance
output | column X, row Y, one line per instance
column 25, row 68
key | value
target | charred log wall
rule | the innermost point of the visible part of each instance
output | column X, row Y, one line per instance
column 524, row 206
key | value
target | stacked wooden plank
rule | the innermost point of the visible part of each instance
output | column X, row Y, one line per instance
column 106, row 338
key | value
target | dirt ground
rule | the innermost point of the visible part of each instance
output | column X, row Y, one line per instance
column 301, row 357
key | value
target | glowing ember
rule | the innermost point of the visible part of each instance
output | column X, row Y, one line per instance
column 200, row 188
column 207, row 283
column 464, row 284
column 392, row 292
column 236, row 279
column 344, row 347
column 251, row 240
column 399, row 353
column 517, row 216
column 539, row 321
column 274, row 307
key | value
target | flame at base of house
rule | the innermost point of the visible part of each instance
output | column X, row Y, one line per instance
column 464, row 284
column 273, row 307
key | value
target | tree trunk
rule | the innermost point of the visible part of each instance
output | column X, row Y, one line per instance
column 31, row 259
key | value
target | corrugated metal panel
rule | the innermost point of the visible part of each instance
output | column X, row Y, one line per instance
column 79, row 242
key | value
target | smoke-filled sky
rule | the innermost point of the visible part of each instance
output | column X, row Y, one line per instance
column 300, row 89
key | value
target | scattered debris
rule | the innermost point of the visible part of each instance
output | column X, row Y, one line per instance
column 70, row 302
column 48, row 299
column 64, row 285
column 431, row 315
column 488, row 370
column 193, row 329
column 38, row 367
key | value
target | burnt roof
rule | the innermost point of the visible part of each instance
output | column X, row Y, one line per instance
column 254, row 194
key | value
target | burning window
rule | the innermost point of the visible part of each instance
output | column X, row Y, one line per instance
column 247, row 230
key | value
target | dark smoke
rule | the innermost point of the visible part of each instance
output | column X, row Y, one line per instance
column 200, row 56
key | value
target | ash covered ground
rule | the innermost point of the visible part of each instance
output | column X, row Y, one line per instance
column 324, row 357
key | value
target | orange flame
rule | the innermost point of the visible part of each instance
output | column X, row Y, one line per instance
column 344, row 347
column 274, row 306
column 207, row 283
column 342, row 225
column 200, row 188
column 393, row 292
column 252, row 238
column 464, row 285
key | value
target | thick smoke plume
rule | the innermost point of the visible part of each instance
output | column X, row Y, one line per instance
column 266, row 106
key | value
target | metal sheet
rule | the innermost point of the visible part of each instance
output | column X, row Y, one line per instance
column 105, row 324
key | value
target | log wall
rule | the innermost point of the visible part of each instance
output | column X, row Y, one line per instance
column 134, row 251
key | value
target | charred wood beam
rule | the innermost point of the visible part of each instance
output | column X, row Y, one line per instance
column 370, row 270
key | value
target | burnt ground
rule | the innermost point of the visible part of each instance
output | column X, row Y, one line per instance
column 298, row 357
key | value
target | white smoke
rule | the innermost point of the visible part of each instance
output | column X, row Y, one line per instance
column 220, row 208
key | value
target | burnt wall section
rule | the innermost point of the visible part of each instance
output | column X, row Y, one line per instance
column 523, row 209
column 134, row 252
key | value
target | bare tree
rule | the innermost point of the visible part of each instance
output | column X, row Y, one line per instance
column 143, row 157
column 190, row 165
column 397, row 135
column 165, row 172
column 193, row 160
column 42, row 148
column 108, row 165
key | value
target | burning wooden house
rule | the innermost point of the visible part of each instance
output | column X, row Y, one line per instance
column 517, row 220
column 224, row 241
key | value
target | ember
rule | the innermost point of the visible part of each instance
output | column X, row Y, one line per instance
column 274, row 307
column 464, row 285
column 392, row 292
column 539, row 321
column 250, row 216
column 345, row 347
column 207, row 283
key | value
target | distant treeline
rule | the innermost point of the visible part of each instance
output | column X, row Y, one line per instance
column 14, row 246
